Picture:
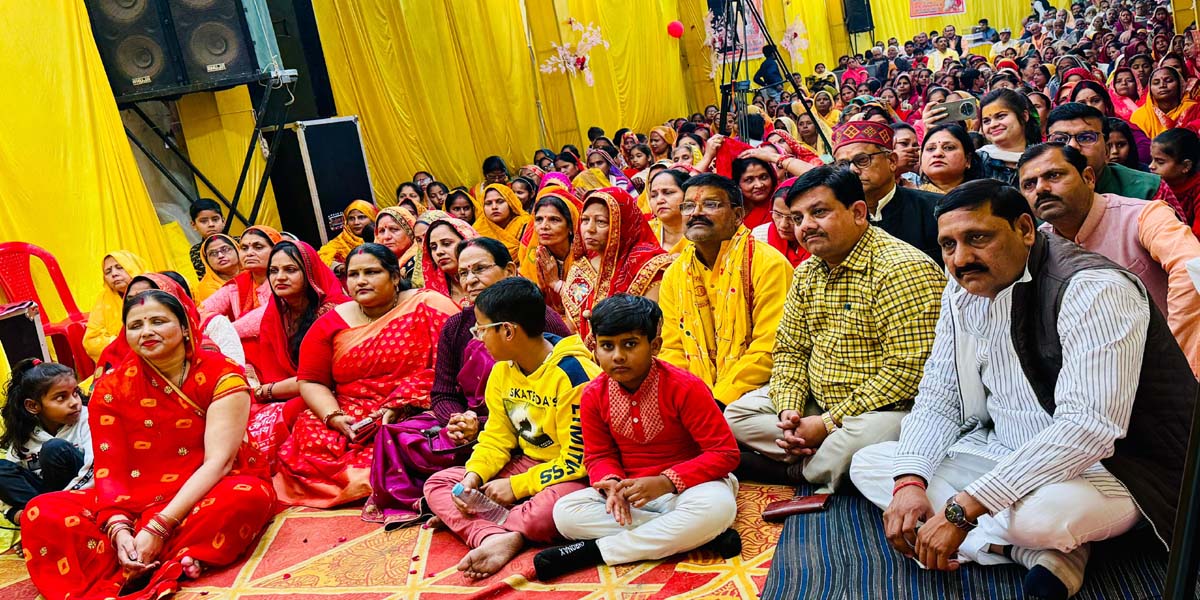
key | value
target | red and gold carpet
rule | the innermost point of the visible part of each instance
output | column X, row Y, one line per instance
column 309, row 554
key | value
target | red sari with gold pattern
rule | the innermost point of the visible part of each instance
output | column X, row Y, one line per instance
column 385, row 364
column 632, row 263
column 148, row 438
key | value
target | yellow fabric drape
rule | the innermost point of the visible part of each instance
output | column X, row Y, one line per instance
column 217, row 128
column 440, row 85
column 104, row 321
column 68, row 178
column 638, row 78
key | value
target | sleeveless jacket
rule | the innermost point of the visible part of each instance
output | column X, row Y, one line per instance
column 1149, row 460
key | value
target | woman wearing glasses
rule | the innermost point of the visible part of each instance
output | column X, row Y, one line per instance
column 221, row 263
column 372, row 357
column 408, row 452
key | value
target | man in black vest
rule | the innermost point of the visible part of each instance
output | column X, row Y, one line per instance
column 867, row 149
column 1039, row 427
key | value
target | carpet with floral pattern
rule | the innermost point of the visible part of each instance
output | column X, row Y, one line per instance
column 313, row 554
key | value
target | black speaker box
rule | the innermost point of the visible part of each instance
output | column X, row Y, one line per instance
column 214, row 41
column 137, row 45
column 858, row 16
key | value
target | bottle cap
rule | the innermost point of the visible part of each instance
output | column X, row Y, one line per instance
column 458, row 489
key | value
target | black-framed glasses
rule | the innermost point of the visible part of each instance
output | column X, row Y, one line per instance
column 861, row 161
column 1086, row 138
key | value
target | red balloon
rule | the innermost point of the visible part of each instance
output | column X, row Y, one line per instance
column 675, row 29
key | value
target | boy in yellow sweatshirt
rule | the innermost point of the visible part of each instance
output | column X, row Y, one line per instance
column 532, row 398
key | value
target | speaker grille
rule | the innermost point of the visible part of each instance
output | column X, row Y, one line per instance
column 140, row 59
column 138, row 54
column 122, row 11
column 212, row 37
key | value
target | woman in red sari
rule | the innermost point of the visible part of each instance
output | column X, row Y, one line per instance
column 439, row 263
column 242, row 299
column 303, row 289
column 372, row 357
column 176, row 487
column 622, row 257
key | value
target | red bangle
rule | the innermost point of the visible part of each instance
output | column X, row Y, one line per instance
column 904, row 484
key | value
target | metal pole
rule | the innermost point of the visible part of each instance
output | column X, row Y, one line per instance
column 183, row 157
column 258, row 116
column 161, row 167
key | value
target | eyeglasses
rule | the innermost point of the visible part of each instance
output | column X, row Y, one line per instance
column 709, row 206
column 780, row 215
column 476, row 270
column 861, row 161
column 219, row 252
column 477, row 330
column 1086, row 138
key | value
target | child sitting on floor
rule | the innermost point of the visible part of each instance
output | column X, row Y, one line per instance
column 658, row 452
column 530, row 452
column 46, row 436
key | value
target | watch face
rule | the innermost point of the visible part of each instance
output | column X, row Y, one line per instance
column 955, row 513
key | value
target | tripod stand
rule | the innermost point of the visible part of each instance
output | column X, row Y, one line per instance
column 734, row 91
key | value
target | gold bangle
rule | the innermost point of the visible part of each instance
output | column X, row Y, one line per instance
column 332, row 415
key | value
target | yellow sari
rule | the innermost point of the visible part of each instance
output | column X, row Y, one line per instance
column 591, row 179
column 212, row 281
column 657, row 227
column 668, row 135
column 104, row 322
column 337, row 248
column 509, row 235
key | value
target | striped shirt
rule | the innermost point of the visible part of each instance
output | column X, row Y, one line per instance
column 855, row 337
column 1102, row 327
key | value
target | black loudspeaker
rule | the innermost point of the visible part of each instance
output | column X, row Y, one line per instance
column 320, row 167
column 214, row 41
column 299, row 42
column 137, row 45
column 159, row 49
column 858, row 16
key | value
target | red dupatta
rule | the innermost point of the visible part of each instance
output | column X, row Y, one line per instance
column 247, row 291
column 435, row 279
column 633, row 259
column 119, row 349
column 273, row 359
column 149, row 433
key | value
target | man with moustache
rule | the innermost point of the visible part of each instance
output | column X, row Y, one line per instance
column 1054, row 398
column 857, row 327
column 1144, row 237
column 723, row 297
column 866, row 148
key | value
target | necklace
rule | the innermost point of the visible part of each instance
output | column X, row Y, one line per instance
column 182, row 374
column 371, row 319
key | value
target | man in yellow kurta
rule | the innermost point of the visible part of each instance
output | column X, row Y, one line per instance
column 358, row 215
column 723, row 298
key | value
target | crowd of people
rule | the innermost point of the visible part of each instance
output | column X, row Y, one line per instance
column 957, row 280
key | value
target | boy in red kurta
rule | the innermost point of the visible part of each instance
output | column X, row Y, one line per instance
column 657, row 450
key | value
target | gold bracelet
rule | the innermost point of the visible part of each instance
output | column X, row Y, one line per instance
column 830, row 426
column 332, row 415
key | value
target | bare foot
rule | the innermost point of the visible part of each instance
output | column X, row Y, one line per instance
column 495, row 552
column 191, row 567
column 433, row 523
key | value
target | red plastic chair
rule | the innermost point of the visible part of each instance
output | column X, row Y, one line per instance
column 16, row 282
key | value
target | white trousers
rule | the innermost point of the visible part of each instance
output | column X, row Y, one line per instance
column 669, row 524
column 754, row 423
column 1058, row 516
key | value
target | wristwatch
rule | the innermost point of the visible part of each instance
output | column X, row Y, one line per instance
column 957, row 515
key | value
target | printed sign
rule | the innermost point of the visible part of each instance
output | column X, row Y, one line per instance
column 936, row 8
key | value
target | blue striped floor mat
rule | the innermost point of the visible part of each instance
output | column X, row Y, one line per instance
column 842, row 553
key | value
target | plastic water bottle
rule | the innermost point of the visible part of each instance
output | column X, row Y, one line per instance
column 480, row 505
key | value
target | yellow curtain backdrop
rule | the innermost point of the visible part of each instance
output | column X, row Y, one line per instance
column 68, row 178
column 892, row 20
column 217, row 128
column 440, row 85
column 638, row 78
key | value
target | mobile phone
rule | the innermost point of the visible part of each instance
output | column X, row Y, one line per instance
column 961, row 110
